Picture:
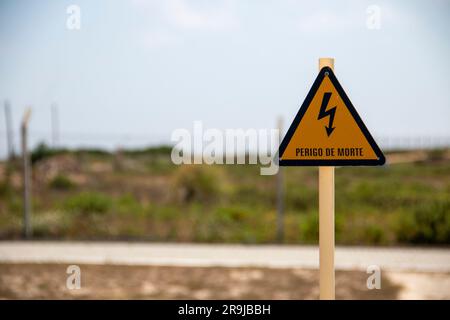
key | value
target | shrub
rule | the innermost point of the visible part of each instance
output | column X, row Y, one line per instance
column 300, row 197
column 5, row 188
column 197, row 183
column 436, row 155
column 88, row 202
column 42, row 151
column 374, row 234
column 232, row 214
column 61, row 182
column 309, row 227
column 429, row 223
column 128, row 204
column 158, row 150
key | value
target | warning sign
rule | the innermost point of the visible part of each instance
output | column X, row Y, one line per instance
column 327, row 130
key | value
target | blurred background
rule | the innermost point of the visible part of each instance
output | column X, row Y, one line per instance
column 107, row 82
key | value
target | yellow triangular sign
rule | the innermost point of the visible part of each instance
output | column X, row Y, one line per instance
column 327, row 130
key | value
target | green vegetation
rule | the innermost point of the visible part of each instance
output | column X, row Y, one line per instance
column 196, row 183
column 61, row 182
column 88, row 203
column 42, row 151
column 140, row 194
column 427, row 224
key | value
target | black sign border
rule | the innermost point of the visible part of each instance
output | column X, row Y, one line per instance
column 327, row 71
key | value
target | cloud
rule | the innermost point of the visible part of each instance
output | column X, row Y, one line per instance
column 169, row 20
column 326, row 21
column 354, row 17
column 219, row 17
column 191, row 15
column 159, row 38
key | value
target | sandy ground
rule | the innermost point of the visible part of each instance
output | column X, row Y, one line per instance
column 48, row 281
column 422, row 286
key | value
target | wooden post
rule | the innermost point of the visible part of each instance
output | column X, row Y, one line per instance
column 280, row 193
column 326, row 221
column 27, row 232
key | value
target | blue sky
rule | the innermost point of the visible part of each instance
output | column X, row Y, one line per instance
column 140, row 69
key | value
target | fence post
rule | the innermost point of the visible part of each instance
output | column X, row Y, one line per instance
column 9, row 131
column 27, row 231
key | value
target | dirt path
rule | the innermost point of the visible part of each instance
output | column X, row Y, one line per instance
column 48, row 281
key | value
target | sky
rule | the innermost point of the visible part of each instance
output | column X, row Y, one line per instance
column 137, row 70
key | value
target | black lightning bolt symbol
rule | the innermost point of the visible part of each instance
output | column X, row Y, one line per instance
column 323, row 113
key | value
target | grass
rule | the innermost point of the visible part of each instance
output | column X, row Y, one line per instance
column 151, row 199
